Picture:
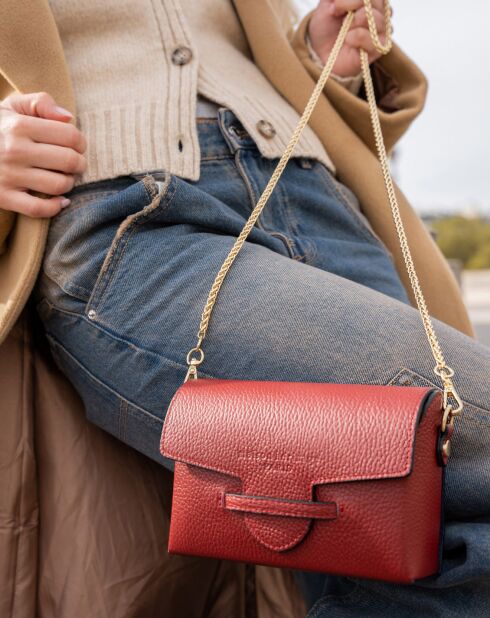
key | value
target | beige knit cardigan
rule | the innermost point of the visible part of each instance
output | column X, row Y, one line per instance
column 136, row 70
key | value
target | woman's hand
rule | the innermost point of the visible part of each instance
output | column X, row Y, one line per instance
column 40, row 150
column 324, row 27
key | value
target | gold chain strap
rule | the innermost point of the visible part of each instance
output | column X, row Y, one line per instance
column 195, row 356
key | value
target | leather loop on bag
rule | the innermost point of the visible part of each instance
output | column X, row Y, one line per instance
column 262, row 505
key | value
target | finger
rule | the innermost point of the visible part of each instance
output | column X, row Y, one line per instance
column 340, row 7
column 56, row 158
column 360, row 20
column 352, row 59
column 39, row 104
column 360, row 38
column 25, row 153
column 379, row 5
column 42, row 180
column 49, row 132
column 26, row 204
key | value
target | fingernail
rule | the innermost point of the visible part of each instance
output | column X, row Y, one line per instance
column 64, row 202
column 63, row 111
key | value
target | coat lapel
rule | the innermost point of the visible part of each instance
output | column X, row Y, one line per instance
column 31, row 54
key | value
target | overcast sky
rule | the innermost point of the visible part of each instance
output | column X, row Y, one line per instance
column 444, row 159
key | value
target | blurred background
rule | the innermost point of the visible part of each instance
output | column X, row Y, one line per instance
column 443, row 162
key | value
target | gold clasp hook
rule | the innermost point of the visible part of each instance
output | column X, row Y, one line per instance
column 446, row 373
column 450, row 391
column 193, row 362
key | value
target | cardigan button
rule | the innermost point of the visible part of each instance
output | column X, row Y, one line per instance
column 266, row 129
column 181, row 55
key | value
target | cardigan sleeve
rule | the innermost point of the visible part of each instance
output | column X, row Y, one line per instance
column 400, row 87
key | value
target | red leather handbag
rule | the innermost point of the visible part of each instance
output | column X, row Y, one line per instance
column 337, row 478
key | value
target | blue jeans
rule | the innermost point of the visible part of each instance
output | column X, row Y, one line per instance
column 313, row 296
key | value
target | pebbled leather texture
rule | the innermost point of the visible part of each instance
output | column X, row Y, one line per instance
column 335, row 478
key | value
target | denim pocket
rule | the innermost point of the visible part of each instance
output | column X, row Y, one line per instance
column 130, row 248
column 81, row 235
column 407, row 377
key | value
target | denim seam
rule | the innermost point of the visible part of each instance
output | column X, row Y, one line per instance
column 288, row 243
column 77, row 290
column 116, row 251
column 287, row 240
column 477, row 421
column 100, row 289
column 309, row 250
column 331, row 182
column 248, row 184
column 151, row 188
column 288, row 211
column 127, row 342
column 101, row 382
column 291, row 222
column 465, row 401
column 220, row 157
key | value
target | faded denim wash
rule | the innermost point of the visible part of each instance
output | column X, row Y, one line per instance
column 313, row 296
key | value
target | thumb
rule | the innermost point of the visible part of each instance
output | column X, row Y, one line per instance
column 40, row 104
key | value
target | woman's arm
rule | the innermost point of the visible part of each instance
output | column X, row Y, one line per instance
column 401, row 87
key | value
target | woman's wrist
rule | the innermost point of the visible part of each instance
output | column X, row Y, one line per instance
column 352, row 83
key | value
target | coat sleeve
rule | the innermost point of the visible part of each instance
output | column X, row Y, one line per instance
column 401, row 90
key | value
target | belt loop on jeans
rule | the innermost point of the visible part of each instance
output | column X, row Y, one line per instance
column 235, row 135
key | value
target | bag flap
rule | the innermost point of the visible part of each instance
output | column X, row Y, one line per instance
column 283, row 438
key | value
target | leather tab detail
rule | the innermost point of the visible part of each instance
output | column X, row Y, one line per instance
column 276, row 532
column 275, row 506
column 276, row 523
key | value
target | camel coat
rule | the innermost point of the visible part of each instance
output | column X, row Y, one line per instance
column 83, row 518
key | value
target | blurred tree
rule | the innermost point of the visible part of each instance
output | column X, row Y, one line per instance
column 464, row 239
column 481, row 259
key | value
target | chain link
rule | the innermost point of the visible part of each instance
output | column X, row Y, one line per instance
column 373, row 31
column 441, row 369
